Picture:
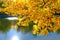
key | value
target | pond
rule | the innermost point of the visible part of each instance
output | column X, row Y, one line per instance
column 9, row 31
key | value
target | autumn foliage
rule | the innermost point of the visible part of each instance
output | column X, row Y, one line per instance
column 45, row 14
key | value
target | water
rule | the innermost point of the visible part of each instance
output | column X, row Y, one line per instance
column 8, row 31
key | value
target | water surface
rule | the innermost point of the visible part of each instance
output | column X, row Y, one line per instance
column 8, row 31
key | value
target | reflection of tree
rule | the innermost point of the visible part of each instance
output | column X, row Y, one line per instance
column 26, row 29
column 58, row 31
column 4, row 25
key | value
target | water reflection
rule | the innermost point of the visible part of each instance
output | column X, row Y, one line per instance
column 4, row 25
column 15, row 37
column 8, row 31
column 21, row 36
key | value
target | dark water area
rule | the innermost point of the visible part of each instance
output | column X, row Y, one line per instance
column 9, row 31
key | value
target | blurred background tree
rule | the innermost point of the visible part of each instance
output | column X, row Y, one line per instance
column 44, row 14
